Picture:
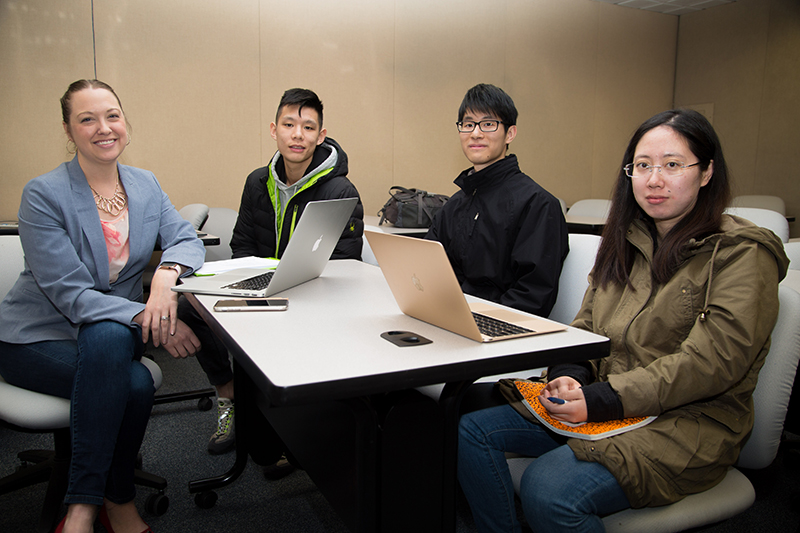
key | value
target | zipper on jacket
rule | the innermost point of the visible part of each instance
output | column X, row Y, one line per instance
column 474, row 222
column 274, row 195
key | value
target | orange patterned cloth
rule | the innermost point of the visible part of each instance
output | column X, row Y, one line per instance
column 587, row 430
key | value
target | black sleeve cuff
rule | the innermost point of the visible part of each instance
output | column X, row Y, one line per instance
column 602, row 402
column 580, row 373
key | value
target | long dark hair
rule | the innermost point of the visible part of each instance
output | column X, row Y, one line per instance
column 615, row 256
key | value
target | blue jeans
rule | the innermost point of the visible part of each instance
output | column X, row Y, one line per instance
column 558, row 492
column 111, row 396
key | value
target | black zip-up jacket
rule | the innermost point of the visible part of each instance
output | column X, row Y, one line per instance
column 255, row 230
column 505, row 236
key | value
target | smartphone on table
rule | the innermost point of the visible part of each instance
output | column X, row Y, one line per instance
column 253, row 304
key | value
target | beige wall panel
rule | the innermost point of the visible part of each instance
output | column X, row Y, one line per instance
column 753, row 81
column 721, row 56
column 635, row 73
column 43, row 48
column 551, row 70
column 187, row 73
column 776, row 169
column 442, row 49
column 343, row 51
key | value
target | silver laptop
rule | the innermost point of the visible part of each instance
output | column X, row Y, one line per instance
column 304, row 259
column 425, row 287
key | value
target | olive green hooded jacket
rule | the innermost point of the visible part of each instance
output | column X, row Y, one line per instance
column 688, row 351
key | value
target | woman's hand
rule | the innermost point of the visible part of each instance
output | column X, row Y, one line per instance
column 159, row 320
column 568, row 389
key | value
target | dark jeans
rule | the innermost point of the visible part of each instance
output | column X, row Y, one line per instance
column 213, row 356
column 111, row 395
column 558, row 492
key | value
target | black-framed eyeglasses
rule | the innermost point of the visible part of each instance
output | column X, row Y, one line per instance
column 486, row 126
column 672, row 169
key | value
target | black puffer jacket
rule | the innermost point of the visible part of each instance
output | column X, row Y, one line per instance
column 256, row 227
column 505, row 236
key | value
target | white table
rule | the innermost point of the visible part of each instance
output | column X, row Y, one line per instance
column 372, row 222
column 585, row 224
column 324, row 360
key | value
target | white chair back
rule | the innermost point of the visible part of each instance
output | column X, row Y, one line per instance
column 774, row 203
column 792, row 249
column 593, row 207
column 775, row 380
column 220, row 222
column 574, row 278
column 563, row 205
column 766, row 218
column 195, row 214
column 12, row 262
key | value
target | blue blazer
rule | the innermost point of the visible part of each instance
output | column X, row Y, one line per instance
column 65, row 281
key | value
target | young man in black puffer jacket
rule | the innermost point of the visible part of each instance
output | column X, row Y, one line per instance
column 308, row 166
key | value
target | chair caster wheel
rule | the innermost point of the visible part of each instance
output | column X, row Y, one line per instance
column 205, row 404
column 157, row 504
column 206, row 499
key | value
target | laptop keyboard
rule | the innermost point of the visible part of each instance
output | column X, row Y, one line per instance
column 493, row 327
column 256, row 283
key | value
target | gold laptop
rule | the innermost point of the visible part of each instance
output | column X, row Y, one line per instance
column 425, row 287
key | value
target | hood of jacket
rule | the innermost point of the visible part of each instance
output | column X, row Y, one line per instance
column 733, row 231
column 328, row 162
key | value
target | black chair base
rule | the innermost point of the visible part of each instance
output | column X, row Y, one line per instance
column 52, row 466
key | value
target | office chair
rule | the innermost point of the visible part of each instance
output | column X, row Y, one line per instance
column 594, row 207
column 220, row 222
column 775, row 203
column 734, row 494
column 196, row 214
column 766, row 218
column 32, row 412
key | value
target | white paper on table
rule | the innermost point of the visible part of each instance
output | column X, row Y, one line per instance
column 218, row 267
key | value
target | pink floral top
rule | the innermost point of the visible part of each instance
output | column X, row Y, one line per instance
column 116, row 234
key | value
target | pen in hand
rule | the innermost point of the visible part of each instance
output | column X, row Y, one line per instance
column 556, row 400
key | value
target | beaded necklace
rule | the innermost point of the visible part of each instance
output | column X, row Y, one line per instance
column 114, row 205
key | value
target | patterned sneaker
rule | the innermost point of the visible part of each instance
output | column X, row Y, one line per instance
column 279, row 470
column 224, row 440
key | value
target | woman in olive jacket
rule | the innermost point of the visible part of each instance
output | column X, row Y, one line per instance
column 688, row 297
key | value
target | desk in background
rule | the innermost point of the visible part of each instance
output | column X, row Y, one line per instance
column 207, row 238
column 585, row 224
column 9, row 227
column 372, row 222
column 340, row 398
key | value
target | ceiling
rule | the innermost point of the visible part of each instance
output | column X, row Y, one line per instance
column 671, row 7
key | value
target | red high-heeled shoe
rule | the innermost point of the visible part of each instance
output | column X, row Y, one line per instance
column 60, row 526
column 107, row 523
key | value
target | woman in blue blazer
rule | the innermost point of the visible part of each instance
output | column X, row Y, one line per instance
column 74, row 324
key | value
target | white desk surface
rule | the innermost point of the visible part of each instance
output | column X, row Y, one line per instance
column 585, row 220
column 372, row 222
column 329, row 342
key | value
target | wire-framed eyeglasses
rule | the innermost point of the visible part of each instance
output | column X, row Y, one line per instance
column 486, row 126
column 672, row 169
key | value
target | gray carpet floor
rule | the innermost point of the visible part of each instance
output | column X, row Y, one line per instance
column 175, row 449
